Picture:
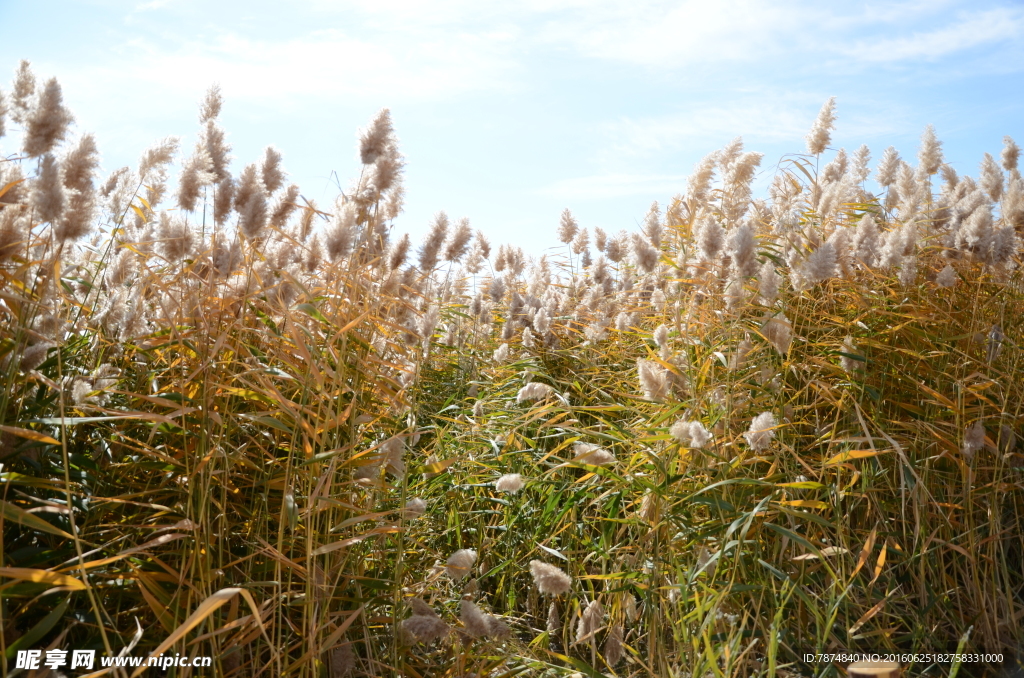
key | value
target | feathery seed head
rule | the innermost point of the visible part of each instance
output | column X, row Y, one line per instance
column 533, row 391
column 974, row 439
column 550, row 580
column 47, row 123
column 728, row 155
column 580, row 242
column 271, row 171
column 710, row 239
column 616, row 247
column 475, row 621
column 420, row 608
column 395, row 202
column 699, row 436
column 680, row 431
column 699, row 183
column 590, row 621
column 176, row 238
column 554, row 624
column 197, row 172
column 391, row 453
column 588, row 453
column 251, row 202
column 425, row 629
column 742, row 248
column 1010, row 154
column 653, row 379
column 908, row 271
column 660, row 336
column 386, row 172
column 644, row 253
column 154, row 160
column 376, row 140
column 821, row 133
column 213, row 139
column 284, row 206
column 460, row 563
column 341, row 231
column 12, row 178
column 80, row 165
column 458, row 242
column 835, row 169
column 930, row 154
column 947, row 277
column 49, row 198
column 223, row 199
column 431, row 248
column 860, row 169
column 24, row 92
column 510, row 483
column 613, row 645
column 484, row 244
column 209, row 107
column 888, row 167
column 501, row 354
column 761, row 432
column 778, row 331
column 991, row 178
column 820, row 264
column 415, row 507
column 652, row 227
column 769, row 281
column 739, row 357
column 399, row 252
column 848, row 364
column 567, row 227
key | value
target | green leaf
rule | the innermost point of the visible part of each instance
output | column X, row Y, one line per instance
column 37, row 631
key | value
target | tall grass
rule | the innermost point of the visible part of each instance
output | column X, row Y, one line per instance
column 246, row 427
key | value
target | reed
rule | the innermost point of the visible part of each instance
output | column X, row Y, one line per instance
column 251, row 428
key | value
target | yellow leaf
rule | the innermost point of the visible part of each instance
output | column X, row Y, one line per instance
column 854, row 454
column 879, row 564
column 865, row 553
column 159, row 541
column 805, row 503
column 868, row 615
column 827, row 551
column 208, row 607
column 9, row 186
column 9, row 511
column 327, row 548
column 439, row 466
column 31, row 435
column 42, row 577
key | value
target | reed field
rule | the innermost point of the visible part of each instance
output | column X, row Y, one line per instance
column 243, row 425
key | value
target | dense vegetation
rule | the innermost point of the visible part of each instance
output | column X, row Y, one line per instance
column 245, row 426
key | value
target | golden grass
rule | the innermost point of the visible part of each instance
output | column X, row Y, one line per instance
column 233, row 481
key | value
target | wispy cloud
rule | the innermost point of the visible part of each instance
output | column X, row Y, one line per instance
column 988, row 28
column 412, row 50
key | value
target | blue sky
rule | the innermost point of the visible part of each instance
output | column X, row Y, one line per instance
column 509, row 112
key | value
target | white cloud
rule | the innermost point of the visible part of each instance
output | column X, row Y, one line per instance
column 988, row 28
column 674, row 35
column 759, row 120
